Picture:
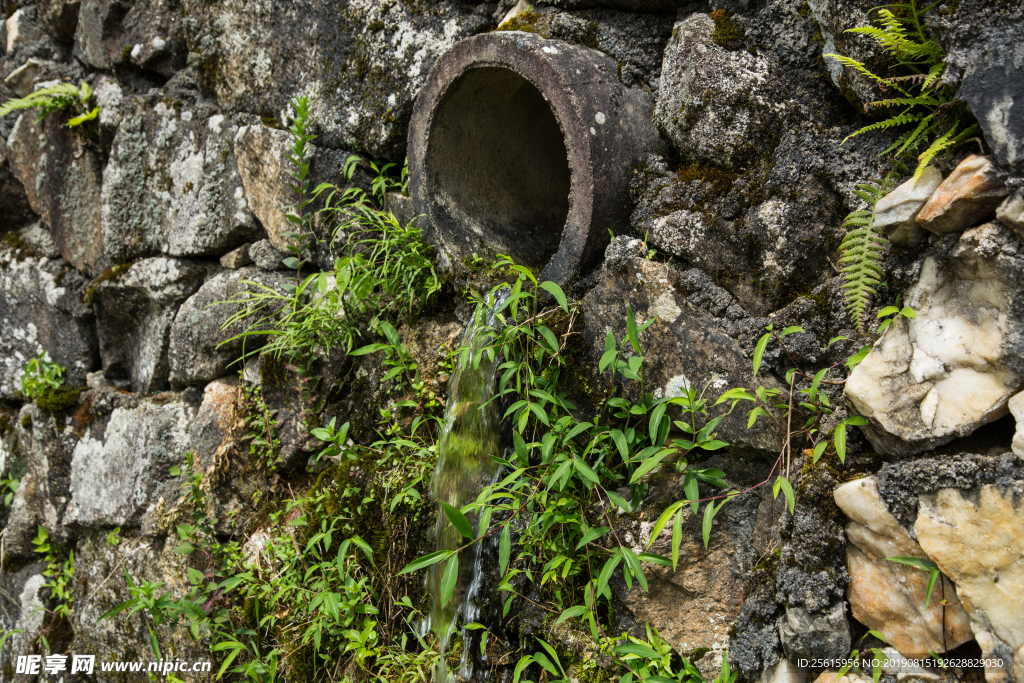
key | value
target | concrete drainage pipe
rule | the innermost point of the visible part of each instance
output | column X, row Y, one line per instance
column 524, row 146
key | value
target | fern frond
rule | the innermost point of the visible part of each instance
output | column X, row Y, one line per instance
column 60, row 96
column 898, row 120
column 934, row 74
column 858, row 66
column 922, row 100
column 940, row 144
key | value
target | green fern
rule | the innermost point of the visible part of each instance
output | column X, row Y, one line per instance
column 862, row 250
column 942, row 121
column 934, row 121
column 55, row 98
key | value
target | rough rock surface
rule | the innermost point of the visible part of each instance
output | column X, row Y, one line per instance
column 823, row 635
column 717, row 105
column 40, row 310
column 807, row 574
column 895, row 213
column 135, row 310
column 985, row 61
column 890, row 597
column 835, row 18
column 42, row 496
column 122, row 463
column 976, row 540
column 362, row 71
column 62, row 175
column 1011, row 213
column 952, row 368
column 14, row 205
column 196, row 355
column 1016, row 406
column 172, row 184
column 262, row 154
column 21, row 609
column 968, row 196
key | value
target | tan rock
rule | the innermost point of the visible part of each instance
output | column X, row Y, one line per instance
column 954, row 367
column 895, row 213
column 968, row 196
column 834, row 677
column 887, row 596
column 1017, row 409
column 979, row 543
column 262, row 154
column 236, row 258
column 1011, row 213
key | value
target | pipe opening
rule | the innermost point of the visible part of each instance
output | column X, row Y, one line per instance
column 497, row 163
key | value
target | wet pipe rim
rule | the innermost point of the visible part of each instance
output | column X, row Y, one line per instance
column 580, row 85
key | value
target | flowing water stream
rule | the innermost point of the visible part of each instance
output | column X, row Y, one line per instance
column 470, row 436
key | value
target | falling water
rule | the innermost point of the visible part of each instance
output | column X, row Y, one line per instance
column 471, row 435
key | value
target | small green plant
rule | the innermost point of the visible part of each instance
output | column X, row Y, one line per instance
column 896, row 312
column 63, row 96
column 933, row 121
column 8, row 487
column 40, row 375
column 114, row 538
column 263, row 424
column 299, row 157
column 59, row 572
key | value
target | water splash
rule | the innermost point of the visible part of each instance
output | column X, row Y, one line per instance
column 470, row 436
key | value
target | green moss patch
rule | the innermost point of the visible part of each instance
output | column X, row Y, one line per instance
column 55, row 401
column 727, row 32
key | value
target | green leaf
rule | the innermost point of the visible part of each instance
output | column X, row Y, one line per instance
column 606, row 572
column 855, row 360
column 663, row 520
column 585, row 471
column 175, row 471
column 759, row 350
column 504, row 550
column 592, row 534
column 690, row 488
column 634, row 339
column 458, row 520
column 619, row 500
column 556, row 292
column 549, row 337
column 371, row 348
column 655, row 422
column 818, row 376
column 791, row 330
column 184, row 549
column 787, row 489
column 650, row 463
column 655, row 559
column 638, row 650
column 620, row 443
column 426, row 561
column 520, row 666
column 819, row 449
column 577, row 611
column 908, row 312
column 449, row 579
column 840, row 442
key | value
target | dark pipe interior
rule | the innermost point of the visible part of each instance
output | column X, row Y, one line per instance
column 497, row 164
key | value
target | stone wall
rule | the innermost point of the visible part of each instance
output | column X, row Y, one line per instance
column 115, row 239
